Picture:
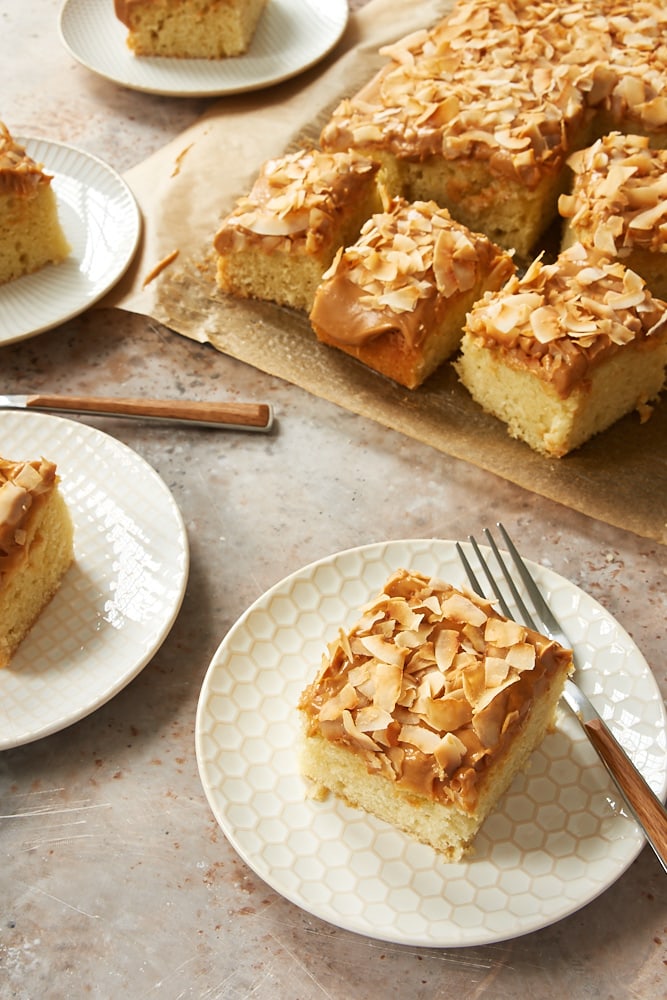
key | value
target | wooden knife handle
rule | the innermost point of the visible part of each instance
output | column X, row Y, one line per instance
column 254, row 415
column 647, row 806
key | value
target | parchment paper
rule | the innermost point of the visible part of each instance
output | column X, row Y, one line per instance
column 184, row 190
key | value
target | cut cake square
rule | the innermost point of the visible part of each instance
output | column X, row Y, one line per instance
column 280, row 238
column 425, row 710
column 397, row 298
column 566, row 350
column 31, row 235
column 36, row 547
column 618, row 204
column 189, row 29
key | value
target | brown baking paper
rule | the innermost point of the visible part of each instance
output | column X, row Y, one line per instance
column 184, row 191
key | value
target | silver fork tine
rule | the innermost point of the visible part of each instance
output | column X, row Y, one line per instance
column 549, row 620
column 479, row 590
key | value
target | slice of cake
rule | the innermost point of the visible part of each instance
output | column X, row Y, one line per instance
column 397, row 298
column 565, row 351
column 189, row 29
column 36, row 547
column 30, row 232
column 426, row 709
column 280, row 238
column 618, row 204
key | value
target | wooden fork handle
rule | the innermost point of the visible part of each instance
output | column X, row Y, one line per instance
column 647, row 806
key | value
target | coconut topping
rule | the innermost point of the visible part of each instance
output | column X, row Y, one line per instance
column 295, row 201
column 561, row 319
column 21, row 486
column 412, row 254
column 511, row 83
column 18, row 172
column 429, row 686
column 619, row 198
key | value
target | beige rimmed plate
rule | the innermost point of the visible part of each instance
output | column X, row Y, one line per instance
column 117, row 602
column 102, row 223
column 557, row 840
column 291, row 36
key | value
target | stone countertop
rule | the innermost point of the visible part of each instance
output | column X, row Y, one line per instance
column 116, row 879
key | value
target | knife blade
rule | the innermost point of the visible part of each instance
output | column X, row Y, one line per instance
column 220, row 415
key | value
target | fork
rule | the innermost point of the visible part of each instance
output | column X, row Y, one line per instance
column 641, row 801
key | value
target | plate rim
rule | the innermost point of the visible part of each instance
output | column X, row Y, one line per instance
column 123, row 262
column 218, row 89
column 85, row 432
column 344, row 921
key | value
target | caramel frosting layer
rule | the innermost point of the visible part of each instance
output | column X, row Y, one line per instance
column 619, row 197
column 296, row 202
column 560, row 320
column 22, row 486
column 512, row 83
column 399, row 275
column 430, row 686
column 19, row 174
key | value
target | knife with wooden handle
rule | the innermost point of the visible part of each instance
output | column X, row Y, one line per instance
column 221, row 415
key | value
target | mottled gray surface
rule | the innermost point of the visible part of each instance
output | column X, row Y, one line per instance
column 115, row 880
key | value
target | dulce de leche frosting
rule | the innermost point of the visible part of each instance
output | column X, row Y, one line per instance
column 430, row 687
column 296, row 202
column 619, row 197
column 23, row 485
column 19, row 174
column 400, row 275
column 511, row 84
column 561, row 320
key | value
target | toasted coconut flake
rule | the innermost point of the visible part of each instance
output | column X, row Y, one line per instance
column 449, row 753
column 333, row 708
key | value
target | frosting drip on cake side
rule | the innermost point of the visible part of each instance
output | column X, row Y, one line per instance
column 561, row 320
column 430, row 686
column 413, row 255
column 19, row 174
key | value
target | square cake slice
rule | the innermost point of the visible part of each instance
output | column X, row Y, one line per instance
column 30, row 232
column 280, row 238
column 36, row 547
column 565, row 351
column 425, row 710
column 397, row 298
column 618, row 204
column 189, row 29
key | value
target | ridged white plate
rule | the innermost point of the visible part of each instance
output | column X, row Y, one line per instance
column 121, row 596
column 557, row 839
column 102, row 223
column 291, row 36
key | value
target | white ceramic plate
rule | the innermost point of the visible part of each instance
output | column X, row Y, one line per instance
column 102, row 223
column 291, row 36
column 118, row 600
column 557, row 840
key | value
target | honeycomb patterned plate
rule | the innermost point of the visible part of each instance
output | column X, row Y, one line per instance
column 557, row 839
column 117, row 601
